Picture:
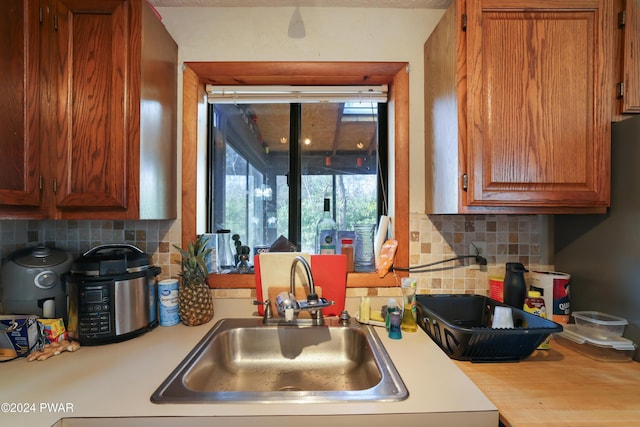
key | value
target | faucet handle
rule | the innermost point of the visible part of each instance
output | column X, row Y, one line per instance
column 268, row 314
column 345, row 318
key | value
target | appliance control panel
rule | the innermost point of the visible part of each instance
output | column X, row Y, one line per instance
column 95, row 303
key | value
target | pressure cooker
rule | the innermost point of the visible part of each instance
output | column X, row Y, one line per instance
column 30, row 282
column 112, row 294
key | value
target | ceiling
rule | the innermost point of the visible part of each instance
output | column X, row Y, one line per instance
column 322, row 125
column 402, row 4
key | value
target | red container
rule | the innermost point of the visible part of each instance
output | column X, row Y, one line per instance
column 495, row 288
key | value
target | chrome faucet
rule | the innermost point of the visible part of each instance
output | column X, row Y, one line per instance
column 289, row 307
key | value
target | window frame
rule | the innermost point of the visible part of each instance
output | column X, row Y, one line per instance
column 197, row 74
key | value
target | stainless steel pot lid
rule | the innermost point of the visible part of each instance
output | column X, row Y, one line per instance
column 111, row 259
column 40, row 256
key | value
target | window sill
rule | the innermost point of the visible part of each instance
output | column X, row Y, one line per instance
column 247, row 281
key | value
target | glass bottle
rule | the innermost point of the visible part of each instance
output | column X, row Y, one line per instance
column 326, row 231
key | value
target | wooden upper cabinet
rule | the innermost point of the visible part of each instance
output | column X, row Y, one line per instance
column 91, row 111
column 533, row 135
column 19, row 92
column 93, row 80
column 628, row 77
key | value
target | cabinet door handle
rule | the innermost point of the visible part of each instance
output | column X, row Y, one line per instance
column 55, row 185
column 40, row 182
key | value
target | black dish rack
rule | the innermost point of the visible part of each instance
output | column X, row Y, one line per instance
column 461, row 325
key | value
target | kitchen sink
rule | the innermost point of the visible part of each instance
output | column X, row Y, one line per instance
column 244, row 360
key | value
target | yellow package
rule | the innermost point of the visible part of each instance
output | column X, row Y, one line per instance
column 53, row 328
column 534, row 304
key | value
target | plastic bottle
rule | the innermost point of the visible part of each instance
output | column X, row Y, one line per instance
column 395, row 321
column 326, row 231
column 514, row 288
column 346, row 248
column 534, row 304
column 392, row 307
column 409, row 305
column 365, row 309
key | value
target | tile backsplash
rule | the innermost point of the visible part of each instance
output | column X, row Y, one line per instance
column 154, row 237
column 509, row 238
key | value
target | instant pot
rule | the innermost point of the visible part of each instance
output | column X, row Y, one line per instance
column 30, row 282
column 112, row 294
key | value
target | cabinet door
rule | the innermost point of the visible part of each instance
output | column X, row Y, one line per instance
column 631, row 57
column 92, row 111
column 19, row 126
column 539, row 133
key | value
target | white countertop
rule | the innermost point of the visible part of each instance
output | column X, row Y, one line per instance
column 116, row 380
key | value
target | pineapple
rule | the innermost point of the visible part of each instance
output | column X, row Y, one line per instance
column 195, row 304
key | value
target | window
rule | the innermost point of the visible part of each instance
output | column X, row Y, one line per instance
column 272, row 164
column 198, row 75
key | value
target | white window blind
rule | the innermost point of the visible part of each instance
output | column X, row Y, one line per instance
column 294, row 94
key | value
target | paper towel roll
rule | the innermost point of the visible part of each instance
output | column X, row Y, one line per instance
column 381, row 236
column 49, row 309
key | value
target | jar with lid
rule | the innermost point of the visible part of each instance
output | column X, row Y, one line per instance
column 346, row 248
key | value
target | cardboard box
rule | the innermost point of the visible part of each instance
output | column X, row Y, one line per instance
column 18, row 334
column 53, row 329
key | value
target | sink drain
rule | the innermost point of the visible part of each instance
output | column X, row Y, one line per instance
column 289, row 388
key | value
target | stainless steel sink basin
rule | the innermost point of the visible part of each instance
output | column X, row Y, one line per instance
column 242, row 360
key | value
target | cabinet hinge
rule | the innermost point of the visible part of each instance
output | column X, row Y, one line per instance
column 622, row 19
column 465, row 182
column 55, row 185
column 620, row 90
column 40, row 182
column 464, row 22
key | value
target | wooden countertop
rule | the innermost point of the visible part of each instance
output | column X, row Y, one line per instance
column 560, row 387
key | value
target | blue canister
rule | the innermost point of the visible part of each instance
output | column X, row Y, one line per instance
column 168, row 302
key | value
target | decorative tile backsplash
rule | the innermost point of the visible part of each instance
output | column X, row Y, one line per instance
column 509, row 238
column 154, row 237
